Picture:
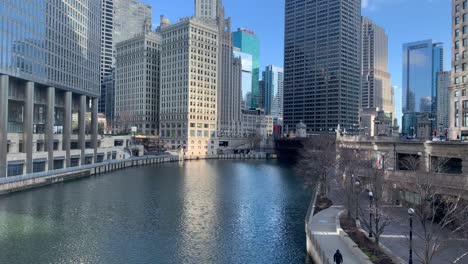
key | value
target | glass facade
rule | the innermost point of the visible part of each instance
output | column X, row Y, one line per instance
column 248, row 43
column 421, row 62
column 273, row 91
column 56, row 43
column 247, row 68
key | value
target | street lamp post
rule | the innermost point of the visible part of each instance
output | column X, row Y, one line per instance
column 411, row 213
column 371, row 195
column 356, row 184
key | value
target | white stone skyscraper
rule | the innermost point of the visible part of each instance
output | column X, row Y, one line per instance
column 137, row 84
column 120, row 21
column 189, row 86
column 229, row 68
column 207, row 8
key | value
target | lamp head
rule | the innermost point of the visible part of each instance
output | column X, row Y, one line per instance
column 411, row 211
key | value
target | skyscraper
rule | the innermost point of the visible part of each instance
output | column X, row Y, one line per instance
column 422, row 61
column 458, row 98
column 247, row 42
column 120, row 21
column 49, row 70
column 246, row 84
column 273, row 91
column 443, row 84
column 188, row 111
column 206, row 8
column 376, row 90
column 322, row 78
column 137, row 84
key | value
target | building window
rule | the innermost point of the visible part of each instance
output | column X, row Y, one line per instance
column 457, row 8
column 457, row 68
column 464, row 17
column 39, row 146
column 457, row 32
column 15, row 169
column 39, row 166
column 464, row 79
column 457, row 56
column 464, row 4
column 74, row 162
column 457, row 44
column 457, row 80
column 457, row 20
column 88, row 160
column 58, row 164
column 465, row 29
column 56, row 145
column 464, row 91
column 465, row 120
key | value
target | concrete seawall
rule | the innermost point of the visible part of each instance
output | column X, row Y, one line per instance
column 25, row 182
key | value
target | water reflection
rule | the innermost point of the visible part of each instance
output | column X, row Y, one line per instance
column 196, row 212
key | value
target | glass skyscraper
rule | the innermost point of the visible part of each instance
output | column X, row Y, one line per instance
column 273, row 91
column 248, row 43
column 49, row 72
column 422, row 61
column 247, row 69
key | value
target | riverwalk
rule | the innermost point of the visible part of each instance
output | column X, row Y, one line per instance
column 325, row 236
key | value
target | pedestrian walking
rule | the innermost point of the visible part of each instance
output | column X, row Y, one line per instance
column 338, row 258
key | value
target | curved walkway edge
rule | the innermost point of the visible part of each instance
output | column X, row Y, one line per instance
column 325, row 235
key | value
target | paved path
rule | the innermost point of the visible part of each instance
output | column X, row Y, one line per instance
column 395, row 237
column 323, row 227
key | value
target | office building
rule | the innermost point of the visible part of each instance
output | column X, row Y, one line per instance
column 189, row 86
column 247, row 74
column 137, row 84
column 49, row 71
column 422, row 61
column 458, row 98
column 206, row 8
column 443, row 109
column 273, row 79
column 322, row 76
column 247, row 42
column 120, row 21
column 376, row 92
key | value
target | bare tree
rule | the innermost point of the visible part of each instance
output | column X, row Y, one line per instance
column 373, row 217
column 349, row 163
column 317, row 162
column 441, row 213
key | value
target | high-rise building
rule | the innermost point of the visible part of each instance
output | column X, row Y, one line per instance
column 246, row 84
column 229, row 68
column 137, row 84
column 422, row 61
column 247, row 42
column 458, row 98
column 206, row 8
column 273, row 79
column 131, row 18
column 322, row 77
column 120, row 21
column 49, row 70
column 443, row 83
column 261, row 97
column 189, row 86
column 376, row 90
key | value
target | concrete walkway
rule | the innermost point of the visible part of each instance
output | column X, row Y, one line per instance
column 329, row 236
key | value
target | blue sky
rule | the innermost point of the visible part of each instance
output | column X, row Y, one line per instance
column 403, row 20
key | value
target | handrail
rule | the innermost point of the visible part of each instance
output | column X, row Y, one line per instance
column 75, row 169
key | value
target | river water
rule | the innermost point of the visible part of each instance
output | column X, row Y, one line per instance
column 195, row 212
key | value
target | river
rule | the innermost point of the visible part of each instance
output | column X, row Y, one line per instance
column 194, row 212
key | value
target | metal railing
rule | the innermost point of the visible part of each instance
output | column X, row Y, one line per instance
column 79, row 168
column 321, row 254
